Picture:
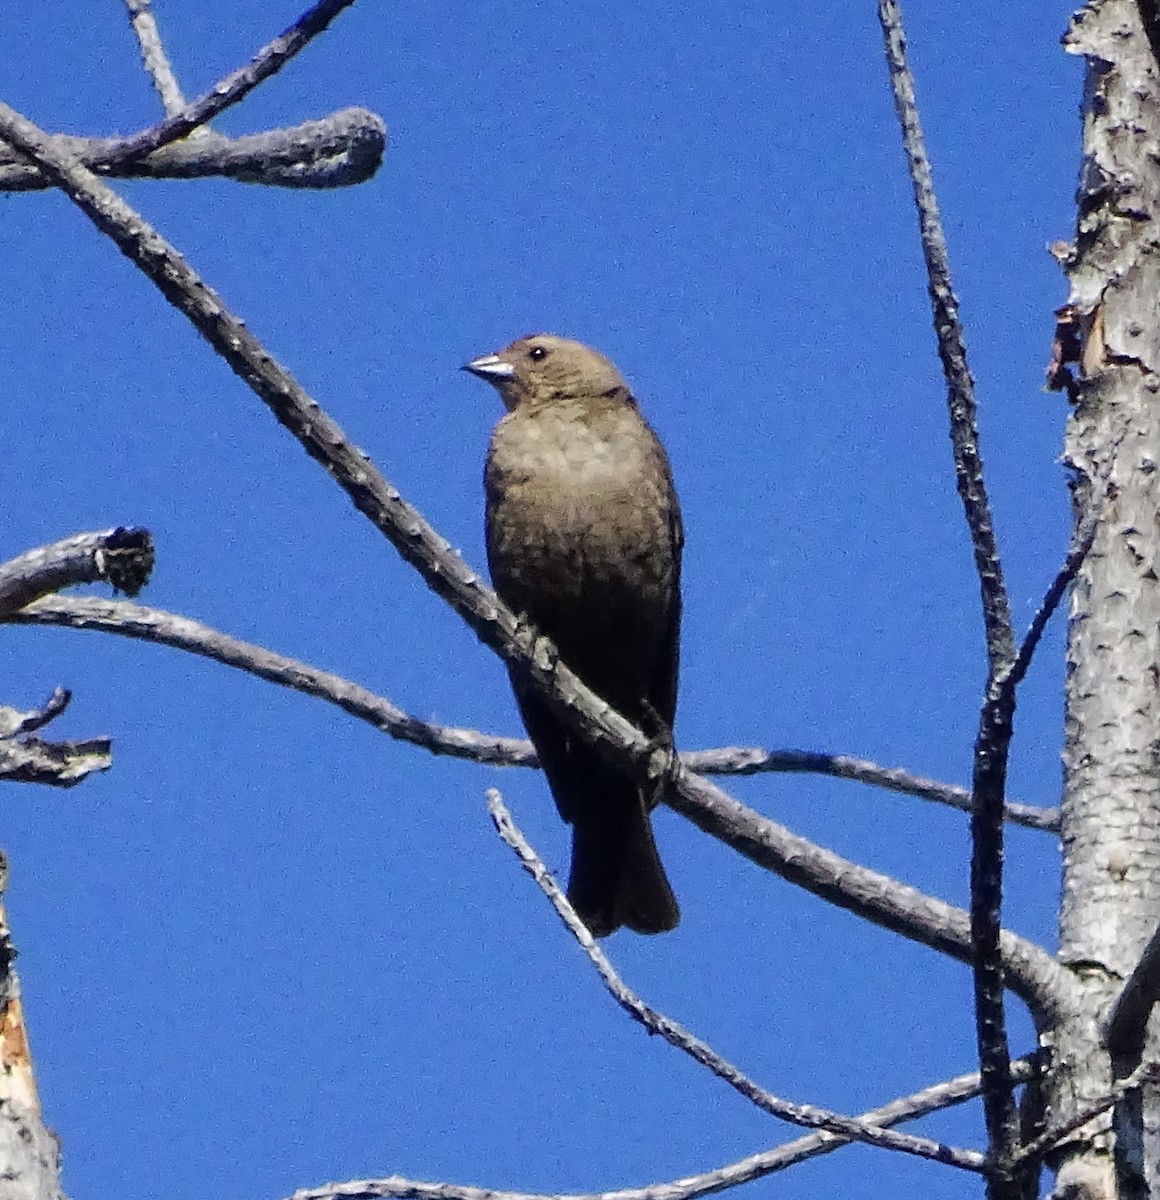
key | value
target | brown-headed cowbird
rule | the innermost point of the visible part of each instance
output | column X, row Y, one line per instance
column 584, row 539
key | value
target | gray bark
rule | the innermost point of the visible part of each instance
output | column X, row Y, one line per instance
column 1109, row 346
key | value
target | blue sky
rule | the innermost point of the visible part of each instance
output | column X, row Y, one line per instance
column 272, row 947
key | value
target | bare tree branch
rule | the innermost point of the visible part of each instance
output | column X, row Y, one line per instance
column 931, row 1099
column 183, row 633
column 755, row 1166
column 994, row 733
column 951, row 347
column 996, row 726
column 1145, row 1073
column 1035, row 975
column 676, row 1035
column 341, row 150
column 1045, row 985
column 55, row 764
column 25, row 759
column 1127, row 1022
column 168, row 629
column 992, row 749
column 1081, row 543
column 153, row 55
column 235, row 86
column 122, row 557
column 744, row 760
column 14, row 723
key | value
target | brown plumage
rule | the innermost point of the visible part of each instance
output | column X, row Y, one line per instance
column 584, row 537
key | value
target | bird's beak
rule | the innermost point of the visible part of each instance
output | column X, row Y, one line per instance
column 490, row 367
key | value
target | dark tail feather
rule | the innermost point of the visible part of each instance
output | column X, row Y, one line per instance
column 617, row 877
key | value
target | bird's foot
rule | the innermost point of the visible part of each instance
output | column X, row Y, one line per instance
column 541, row 651
column 662, row 754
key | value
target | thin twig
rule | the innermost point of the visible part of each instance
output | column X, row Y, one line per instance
column 340, row 150
column 27, row 759
column 755, row 1166
column 235, row 86
column 1081, row 543
column 14, row 723
column 951, row 347
column 744, row 760
column 182, row 633
column 676, row 1035
column 1036, row 976
column 990, row 762
column 1147, row 1072
column 154, row 57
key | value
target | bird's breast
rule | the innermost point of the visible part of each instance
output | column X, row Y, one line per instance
column 582, row 537
column 562, row 482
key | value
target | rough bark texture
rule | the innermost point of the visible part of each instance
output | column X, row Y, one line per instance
column 1110, row 346
column 29, row 1153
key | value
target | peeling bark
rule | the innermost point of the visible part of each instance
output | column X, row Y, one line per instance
column 1107, row 357
column 29, row 1151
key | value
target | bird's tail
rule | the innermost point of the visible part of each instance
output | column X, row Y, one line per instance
column 617, row 877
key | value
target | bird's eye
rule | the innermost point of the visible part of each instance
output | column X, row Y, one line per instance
column 538, row 353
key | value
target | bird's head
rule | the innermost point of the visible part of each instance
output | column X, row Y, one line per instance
column 543, row 368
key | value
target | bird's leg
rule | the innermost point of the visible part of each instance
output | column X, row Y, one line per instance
column 540, row 650
column 662, row 753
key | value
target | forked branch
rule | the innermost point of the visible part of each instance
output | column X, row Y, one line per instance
column 799, row 1114
column 343, row 149
column 168, row 629
column 756, row 1166
column 1034, row 973
column 995, row 726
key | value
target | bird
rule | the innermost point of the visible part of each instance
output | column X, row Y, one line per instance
column 584, row 540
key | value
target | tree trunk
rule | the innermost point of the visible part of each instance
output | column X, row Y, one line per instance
column 1110, row 333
